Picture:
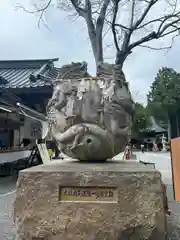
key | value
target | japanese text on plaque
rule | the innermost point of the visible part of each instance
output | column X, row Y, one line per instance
column 88, row 194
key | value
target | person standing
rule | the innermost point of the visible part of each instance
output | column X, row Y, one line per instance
column 142, row 147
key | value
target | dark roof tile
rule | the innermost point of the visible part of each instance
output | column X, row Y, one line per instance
column 27, row 73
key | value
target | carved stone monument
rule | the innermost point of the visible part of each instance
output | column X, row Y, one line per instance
column 90, row 118
column 80, row 201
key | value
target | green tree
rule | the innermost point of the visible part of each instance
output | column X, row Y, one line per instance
column 140, row 119
column 164, row 94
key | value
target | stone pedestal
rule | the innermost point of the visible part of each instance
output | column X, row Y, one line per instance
column 106, row 201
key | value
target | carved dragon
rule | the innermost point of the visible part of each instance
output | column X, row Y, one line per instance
column 90, row 117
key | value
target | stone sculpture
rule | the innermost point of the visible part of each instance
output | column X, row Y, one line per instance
column 90, row 117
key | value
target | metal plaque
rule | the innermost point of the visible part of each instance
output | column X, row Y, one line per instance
column 88, row 194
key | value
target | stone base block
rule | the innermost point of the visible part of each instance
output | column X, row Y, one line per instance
column 116, row 200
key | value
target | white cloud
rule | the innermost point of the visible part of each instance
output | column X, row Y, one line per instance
column 22, row 39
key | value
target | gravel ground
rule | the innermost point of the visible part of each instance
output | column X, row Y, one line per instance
column 173, row 221
column 7, row 187
column 7, row 229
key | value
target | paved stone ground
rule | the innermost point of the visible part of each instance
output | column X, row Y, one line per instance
column 7, row 187
column 163, row 163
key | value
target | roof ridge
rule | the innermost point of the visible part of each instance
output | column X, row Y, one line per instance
column 30, row 60
column 20, row 74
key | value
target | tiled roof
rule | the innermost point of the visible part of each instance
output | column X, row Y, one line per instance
column 27, row 73
column 155, row 127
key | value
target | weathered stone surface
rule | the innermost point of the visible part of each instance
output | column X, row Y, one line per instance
column 138, row 213
column 91, row 118
column 75, row 70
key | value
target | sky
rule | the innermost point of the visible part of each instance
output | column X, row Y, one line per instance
column 21, row 38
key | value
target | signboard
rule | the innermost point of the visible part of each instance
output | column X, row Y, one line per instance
column 44, row 153
column 88, row 194
column 175, row 163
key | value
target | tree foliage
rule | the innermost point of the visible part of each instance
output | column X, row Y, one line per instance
column 140, row 119
column 132, row 23
column 164, row 94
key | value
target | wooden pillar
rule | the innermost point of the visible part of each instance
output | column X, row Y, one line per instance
column 11, row 137
column 175, row 161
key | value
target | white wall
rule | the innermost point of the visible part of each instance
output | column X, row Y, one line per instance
column 32, row 129
column 16, row 141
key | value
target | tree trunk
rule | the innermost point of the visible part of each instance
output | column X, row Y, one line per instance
column 99, row 46
column 95, row 36
column 96, row 43
column 97, row 29
column 120, row 58
column 98, row 53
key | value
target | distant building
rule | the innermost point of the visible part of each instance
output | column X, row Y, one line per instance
column 25, row 77
column 154, row 128
column 150, row 135
column 28, row 82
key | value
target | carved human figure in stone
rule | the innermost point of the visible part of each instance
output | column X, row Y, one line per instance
column 92, row 117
